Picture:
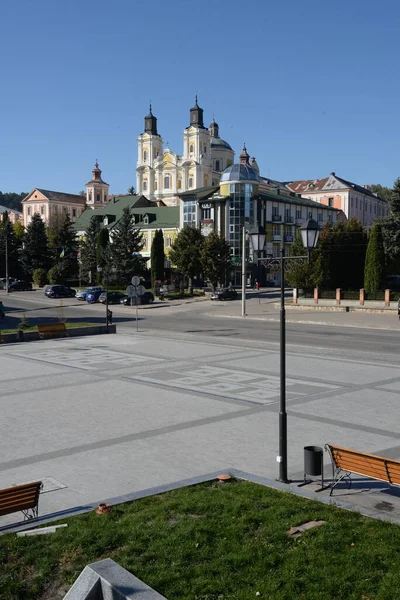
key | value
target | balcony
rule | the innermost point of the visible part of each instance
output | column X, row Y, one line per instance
column 288, row 238
column 276, row 238
column 289, row 219
column 276, row 218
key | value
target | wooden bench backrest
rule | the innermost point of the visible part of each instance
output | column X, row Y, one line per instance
column 370, row 465
column 19, row 497
column 51, row 327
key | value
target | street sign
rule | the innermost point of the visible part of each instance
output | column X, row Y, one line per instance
column 135, row 280
column 131, row 291
column 140, row 290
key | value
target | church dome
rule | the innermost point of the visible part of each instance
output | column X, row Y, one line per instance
column 217, row 142
column 239, row 172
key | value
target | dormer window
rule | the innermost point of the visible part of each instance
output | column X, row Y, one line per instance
column 105, row 221
column 146, row 219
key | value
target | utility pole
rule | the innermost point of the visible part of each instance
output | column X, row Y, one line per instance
column 6, row 233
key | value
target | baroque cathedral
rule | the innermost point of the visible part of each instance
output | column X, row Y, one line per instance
column 162, row 174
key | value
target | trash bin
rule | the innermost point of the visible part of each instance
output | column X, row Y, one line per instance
column 313, row 460
column 314, row 463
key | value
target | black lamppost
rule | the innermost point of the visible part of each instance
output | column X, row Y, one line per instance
column 257, row 238
column 309, row 234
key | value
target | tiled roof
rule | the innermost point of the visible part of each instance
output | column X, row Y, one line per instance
column 57, row 196
column 329, row 184
column 264, row 195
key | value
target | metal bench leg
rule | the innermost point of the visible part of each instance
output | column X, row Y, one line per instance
column 345, row 474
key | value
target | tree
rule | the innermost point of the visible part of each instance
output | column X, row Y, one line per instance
column 7, row 234
column 12, row 200
column 131, row 190
column 391, row 230
column 19, row 230
column 103, row 261
column 380, row 190
column 88, row 250
column 374, row 276
column 299, row 273
column 35, row 252
column 63, row 244
column 186, row 253
column 215, row 258
column 127, row 242
column 157, row 257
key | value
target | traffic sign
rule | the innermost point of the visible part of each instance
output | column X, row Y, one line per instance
column 140, row 290
column 135, row 280
column 131, row 291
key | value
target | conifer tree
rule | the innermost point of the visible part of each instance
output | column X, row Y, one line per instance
column 63, row 244
column 88, row 249
column 35, row 252
column 374, row 275
column 7, row 234
column 127, row 242
column 157, row 257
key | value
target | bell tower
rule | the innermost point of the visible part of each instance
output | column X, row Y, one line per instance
column 150, row 150
column 96, row 189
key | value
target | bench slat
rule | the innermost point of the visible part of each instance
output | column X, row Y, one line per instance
column 19, row 497
column 50, row 327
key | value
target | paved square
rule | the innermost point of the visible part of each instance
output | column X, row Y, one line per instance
column 103, row 416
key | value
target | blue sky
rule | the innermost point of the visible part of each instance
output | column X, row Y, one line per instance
column 311, row 87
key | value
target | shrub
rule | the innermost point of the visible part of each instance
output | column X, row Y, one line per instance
column 24, row 323
column 40, row 277
column 57, row 274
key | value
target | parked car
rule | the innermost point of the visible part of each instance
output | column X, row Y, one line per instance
column 93, row 296
column 81, row 295
column 228, row 293
column 113, row 297
column 59, row 291
column 3, row 281
column 147, row 298
column 19, row 286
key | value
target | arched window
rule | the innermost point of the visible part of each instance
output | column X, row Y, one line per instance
column 205, row 150
column 144, row 155
column 190, row 182
column 167, row 182
column 90, row 196
column 155, row 185
column 191, row 149
column 217, row 165
column 179, row 184
column 144, row 186
column 98, row 198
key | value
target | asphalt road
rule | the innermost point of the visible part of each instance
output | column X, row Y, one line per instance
column 204, row 319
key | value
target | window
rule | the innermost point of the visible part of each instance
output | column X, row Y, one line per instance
column 330, row 218
column 29, row 211
column 144, row 155
column 309, row 215
column 42, row 210
column 231, row 229
column 275, row 211
column 189, row 213
column 144, row 186
column 275, row 230
column 98, row 198
column 191, row 149
column 74, row 212
column 352, row 203
column 205, row 150
column 299, row 214
column 356, row 202
column 205, row 180
column 190, row 182
column 90, row 196
column 206, row 213
column 320, row 217
column 330, row 201
column 167, row 183
column 288, row 213
column 146, row 219
column 179, row 184
column 217, row 165
column 66, row 209
column 168, row 242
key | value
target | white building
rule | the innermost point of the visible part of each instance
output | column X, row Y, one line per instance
column 161, row 174
column 354, row 200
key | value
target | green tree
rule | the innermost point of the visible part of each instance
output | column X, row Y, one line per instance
column 374, row 275
column 391, row 230
column 127, row 242
column 63, row 244
column 300, row 274
column 382, row 191
column 35, row 252
column 215, row 258
column 88, row 248
column 186, row 253
column 157, row 257
column 131, row 190
column 19, row 230
column 7, row 234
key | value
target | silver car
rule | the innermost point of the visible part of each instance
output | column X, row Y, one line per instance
column 81, row 295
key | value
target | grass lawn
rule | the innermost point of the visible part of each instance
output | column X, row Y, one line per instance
column 68, row 326
column 215, row 542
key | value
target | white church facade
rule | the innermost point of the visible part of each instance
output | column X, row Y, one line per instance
column 161, row 174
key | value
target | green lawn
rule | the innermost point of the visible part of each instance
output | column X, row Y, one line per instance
column 216, row 541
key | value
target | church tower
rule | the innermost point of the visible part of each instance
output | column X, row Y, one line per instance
column 96, row 189
column 197, row 164
column 150, row 150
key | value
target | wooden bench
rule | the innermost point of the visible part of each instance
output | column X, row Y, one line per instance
column 346, row 461
column 24, row 498
column 52, row 330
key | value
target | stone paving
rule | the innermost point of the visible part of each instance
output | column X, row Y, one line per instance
column 105, row 416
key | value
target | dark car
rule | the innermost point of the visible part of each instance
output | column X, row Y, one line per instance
column 113, row 297
column 19, row 286
column 3, row 283
column 59, row 291
column 93, row 296
column 147, row 298
column 228, row 293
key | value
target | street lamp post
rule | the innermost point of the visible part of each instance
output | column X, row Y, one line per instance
column 309, row 234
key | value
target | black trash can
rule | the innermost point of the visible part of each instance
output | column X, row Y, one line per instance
column 314, row 463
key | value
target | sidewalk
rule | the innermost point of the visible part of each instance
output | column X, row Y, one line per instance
column 266, row 307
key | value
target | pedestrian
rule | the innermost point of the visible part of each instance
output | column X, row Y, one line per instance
column 2, row 313
column 109, row 316
column 257, row 285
